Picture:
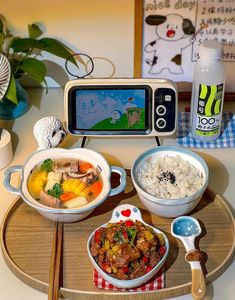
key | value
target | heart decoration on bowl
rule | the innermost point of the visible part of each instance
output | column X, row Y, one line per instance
column 126, row 213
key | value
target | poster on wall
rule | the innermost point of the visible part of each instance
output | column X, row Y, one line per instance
column 173, row 30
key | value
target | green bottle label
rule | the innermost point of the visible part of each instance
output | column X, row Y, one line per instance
column 209, row 109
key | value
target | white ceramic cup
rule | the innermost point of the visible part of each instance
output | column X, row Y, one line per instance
column 6, row 154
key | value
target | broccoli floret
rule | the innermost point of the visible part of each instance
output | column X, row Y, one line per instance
column 56, row 191
column 47, row 165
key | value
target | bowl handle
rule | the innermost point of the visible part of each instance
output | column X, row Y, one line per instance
column 122, row 184
column 7, row 178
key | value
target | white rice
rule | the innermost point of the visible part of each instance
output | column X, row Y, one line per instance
column 169, row 177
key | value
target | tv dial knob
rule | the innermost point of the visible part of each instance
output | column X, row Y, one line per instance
column 161, row 110
column 161, row 123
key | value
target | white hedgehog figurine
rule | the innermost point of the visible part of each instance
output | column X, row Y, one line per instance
column 48, row 132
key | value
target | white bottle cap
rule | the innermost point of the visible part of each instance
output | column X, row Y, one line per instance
column 211, row 49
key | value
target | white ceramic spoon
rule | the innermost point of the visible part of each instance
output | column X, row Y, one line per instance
column 187, row 229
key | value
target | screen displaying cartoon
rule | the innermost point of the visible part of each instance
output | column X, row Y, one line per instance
column 111, row 109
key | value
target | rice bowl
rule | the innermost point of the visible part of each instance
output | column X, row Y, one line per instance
column 164, row 197
column 169, row 177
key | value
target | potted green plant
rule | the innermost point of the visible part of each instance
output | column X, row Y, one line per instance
column 23, row 54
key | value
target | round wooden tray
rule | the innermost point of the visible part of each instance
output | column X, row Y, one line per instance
column 26, row 241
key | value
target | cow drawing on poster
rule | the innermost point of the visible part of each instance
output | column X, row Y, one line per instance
column 174, row 34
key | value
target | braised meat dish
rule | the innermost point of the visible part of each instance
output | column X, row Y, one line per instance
column 128, row 249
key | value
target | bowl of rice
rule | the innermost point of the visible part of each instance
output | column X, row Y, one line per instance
column 169, row 180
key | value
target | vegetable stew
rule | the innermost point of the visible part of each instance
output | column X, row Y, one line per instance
column 65, row 183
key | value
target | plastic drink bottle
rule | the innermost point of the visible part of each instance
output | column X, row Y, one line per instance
column 208, row 92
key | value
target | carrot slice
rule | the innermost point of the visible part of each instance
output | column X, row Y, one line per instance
column 96, row 188
column 67, row 196
column 84, row 166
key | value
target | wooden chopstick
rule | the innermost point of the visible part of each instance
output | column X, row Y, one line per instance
column 52, row 264
column 58, row 261
column 55, row 265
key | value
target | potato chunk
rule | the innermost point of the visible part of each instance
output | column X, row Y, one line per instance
column 75, row 202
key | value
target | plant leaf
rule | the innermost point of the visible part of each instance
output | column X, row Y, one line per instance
column 14, row 64
column 1, row 41
column 1, row 25
column 34, row 31
column 46, row 86
column 57, row 48
column 34, row 68
column 25, row 44
column 11, row 91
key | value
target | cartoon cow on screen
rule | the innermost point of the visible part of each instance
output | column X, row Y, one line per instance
column 174, row 34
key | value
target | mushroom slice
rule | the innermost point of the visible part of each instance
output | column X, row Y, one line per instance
column 90, row 178
column 80, row 175
column 62, row 168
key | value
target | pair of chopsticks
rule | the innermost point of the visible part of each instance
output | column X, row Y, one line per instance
column 55, row 265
